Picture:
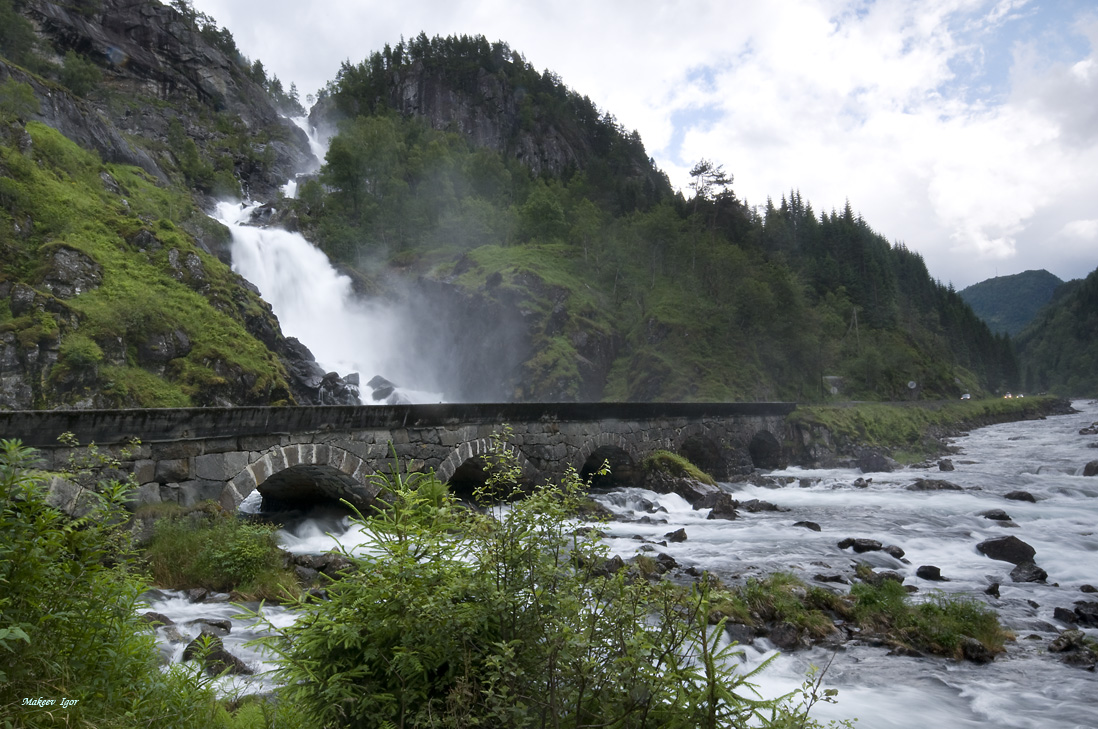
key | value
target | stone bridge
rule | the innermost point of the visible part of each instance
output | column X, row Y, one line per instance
column 300, row 455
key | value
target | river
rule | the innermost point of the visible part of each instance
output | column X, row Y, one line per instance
column 1024, row 688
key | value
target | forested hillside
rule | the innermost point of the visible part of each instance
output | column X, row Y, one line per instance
column 514, row 214
column 1009, row 303
column 630, row 291
column 1059, row 349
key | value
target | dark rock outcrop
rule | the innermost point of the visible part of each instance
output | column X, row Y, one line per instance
column 1007, row 549
column 146, row 49
column 1020, row 496
column 927, row 484
column 1028, row 572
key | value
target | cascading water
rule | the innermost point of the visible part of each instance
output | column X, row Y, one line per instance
column 1025, row 688
column 318, row 305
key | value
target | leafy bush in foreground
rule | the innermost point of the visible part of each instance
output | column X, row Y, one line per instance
column 509, row 619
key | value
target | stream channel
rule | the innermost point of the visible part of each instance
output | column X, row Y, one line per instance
column 1026, row 687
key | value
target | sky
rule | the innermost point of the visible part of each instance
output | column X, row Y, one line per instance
column 965, row 129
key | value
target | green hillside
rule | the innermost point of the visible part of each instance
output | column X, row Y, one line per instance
column 1059, row 349
column 1009, row 303
column 630, row 291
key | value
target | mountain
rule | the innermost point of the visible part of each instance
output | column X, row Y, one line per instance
column 114, row 284
column 1009, row 303
column 533, row 248
column 1058, row 350
column 490, row 187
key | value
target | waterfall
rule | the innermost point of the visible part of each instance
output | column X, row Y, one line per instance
column 317, row 305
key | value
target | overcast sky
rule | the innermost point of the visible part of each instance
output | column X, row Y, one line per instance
column 967, row 129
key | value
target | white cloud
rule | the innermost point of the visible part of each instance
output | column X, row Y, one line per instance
column 1083, row 229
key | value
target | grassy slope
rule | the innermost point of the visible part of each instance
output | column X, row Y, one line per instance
column 66, row 193
column 908, row 429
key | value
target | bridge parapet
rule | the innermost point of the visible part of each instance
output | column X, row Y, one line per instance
column 224, row 454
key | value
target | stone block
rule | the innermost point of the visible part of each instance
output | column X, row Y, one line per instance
column 146, row 493
column 220, row 466
column 197, row 491
column 230, row 498
column 177, row 450
column 259, row 442
column 144, row 471
column 244, row 482
column 174, row 470
column 260, row 469
column 293, row 455
column 221, row 445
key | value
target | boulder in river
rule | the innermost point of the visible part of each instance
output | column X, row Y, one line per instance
column 1091, row 469
column 930, row 484
column 215, row 658
column 1020, row 496
column 871, row 461
column 995, row 515
column 679, row 535
column 1007, row 549
column 861, row 545
column 807, row 525
column 1028, row 572
column 975, row 651
column 930, row 572
column 1086, row 613
column 945, row 465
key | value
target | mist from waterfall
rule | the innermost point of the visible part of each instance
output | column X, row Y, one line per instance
column 317, row 305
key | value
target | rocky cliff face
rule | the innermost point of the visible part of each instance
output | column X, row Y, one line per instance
column 107, row 295
column 489, row 115
column 148, row 51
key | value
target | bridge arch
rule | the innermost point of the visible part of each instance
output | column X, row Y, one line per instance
column 472, row 450
column 302, row 473
column 619, row 451
column 699, row 446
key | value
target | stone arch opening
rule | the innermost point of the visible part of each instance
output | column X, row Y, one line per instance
column 467, row 478
column 765, row 451
column 308, row 486
column 705, row 454
column 624, row 471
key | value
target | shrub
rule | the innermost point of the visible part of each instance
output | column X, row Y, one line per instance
column 68, row 617
column 507, row 619
column 937, row 625
column 219, row 552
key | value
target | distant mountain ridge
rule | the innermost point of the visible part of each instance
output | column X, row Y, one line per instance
column 1009, row 303
column 1059, row 349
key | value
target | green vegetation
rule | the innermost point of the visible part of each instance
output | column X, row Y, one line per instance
column 69, row 625
column 910, row 427
column 146, row 285
column 676, row 465
column 1059, row 348
column 1009, row 303
column 508, row 619
column 219, row 552
column 634, row 293
column 938, row 625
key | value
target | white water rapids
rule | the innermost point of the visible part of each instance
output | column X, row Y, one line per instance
column 1025, row 688
column 318, row 305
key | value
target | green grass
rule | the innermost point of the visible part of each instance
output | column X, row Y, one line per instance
column 60, row 187
column 936, row 625
column 676, row 465
column 219, row 553
column 905, row 426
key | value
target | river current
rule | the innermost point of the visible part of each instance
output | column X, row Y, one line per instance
column 1024, row 688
